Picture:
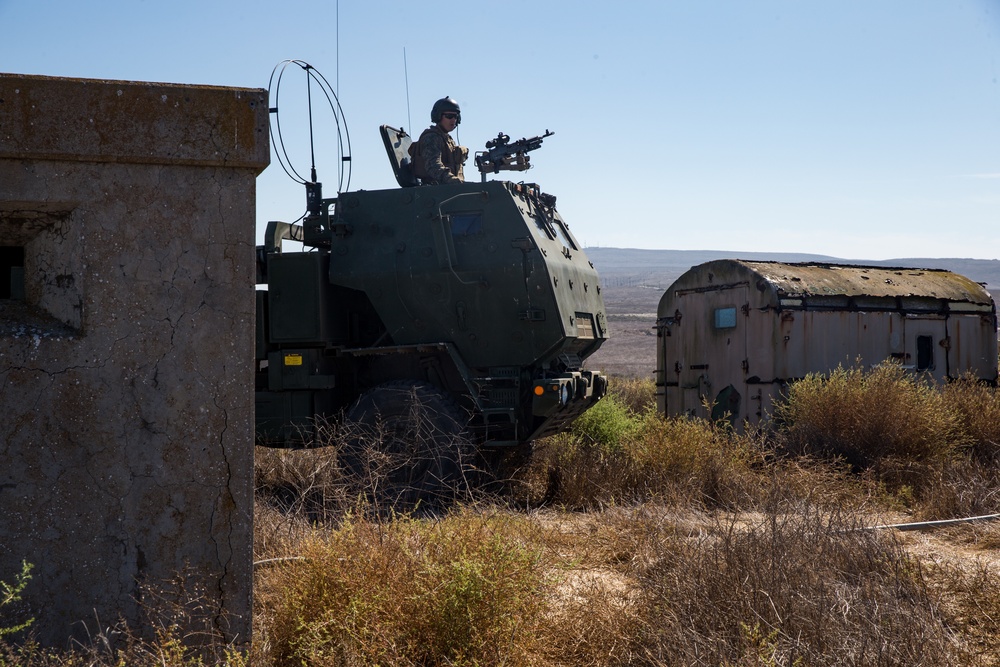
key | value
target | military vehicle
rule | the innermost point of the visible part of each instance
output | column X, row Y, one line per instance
column 472, row 302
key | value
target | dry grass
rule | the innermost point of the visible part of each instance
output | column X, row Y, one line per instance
column 467, row 589
column 181, row 627
column 978, row 408
column 631, row 540
column 712, row 547
column 790, row 584
column 637, row 458
column 637, row 395
column 970, row 601
column 307, row 482
column 867, row 416
column 803, row 587
column 616, row 455
column 955, row 488
column 932, row 449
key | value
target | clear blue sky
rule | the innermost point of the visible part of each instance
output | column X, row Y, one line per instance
column 853, row 128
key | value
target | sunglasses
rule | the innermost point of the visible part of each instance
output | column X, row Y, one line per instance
column 450, row 116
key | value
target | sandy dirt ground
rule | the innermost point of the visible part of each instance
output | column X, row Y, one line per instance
column 631, row 349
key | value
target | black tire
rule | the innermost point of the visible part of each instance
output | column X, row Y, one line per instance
column 499, row 467
column 405, row 446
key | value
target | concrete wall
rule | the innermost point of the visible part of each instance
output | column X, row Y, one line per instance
column 126, row 418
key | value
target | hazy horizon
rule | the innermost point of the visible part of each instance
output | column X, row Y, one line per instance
column 779, row 252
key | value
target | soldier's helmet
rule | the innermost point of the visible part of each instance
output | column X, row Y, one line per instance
column 445, row 104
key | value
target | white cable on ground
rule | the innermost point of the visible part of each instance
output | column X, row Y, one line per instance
column 921, row 525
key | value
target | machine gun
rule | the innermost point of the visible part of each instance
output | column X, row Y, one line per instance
column 501, row 155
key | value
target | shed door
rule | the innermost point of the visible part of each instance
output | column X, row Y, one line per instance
column 924, row 350
column 970, row 346
column 711, row 349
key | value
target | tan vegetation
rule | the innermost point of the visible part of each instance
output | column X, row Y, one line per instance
column 643, row 541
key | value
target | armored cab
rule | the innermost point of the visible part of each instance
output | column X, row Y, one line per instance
column 473, row 298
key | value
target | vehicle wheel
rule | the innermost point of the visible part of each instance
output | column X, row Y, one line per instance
column 499, row 467
column 405, row 445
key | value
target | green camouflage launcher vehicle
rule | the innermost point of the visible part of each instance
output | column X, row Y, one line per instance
column 472, row 301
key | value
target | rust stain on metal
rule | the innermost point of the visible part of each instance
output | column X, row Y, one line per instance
column 814, row 279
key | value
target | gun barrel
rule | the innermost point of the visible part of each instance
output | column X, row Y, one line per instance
column 503, row 155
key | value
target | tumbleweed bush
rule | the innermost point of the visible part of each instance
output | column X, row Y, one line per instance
column 978, row 408
column 460, row 590
column 866, row 416
column 792, row 588
column 615, row 455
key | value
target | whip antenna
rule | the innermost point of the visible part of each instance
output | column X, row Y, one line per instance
column 312, row 144
column 406, row 77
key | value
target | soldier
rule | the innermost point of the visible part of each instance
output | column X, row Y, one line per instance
column 436, row 156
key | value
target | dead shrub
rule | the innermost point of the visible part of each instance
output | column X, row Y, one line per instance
column 693, row 460
column 637, row 394
column 978, row 408
column 468, row 589
column 596, row 624
column 800, row 587
column 567, row 471
column 970, row 603
column 865, row 416
column 403, row 463
column 306, row 482
column 826, row 485
column 956, row 488
column 593, row 612
column 181, row 626
column 623, row 457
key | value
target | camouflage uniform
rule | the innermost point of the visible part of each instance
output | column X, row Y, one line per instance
column 436, row 157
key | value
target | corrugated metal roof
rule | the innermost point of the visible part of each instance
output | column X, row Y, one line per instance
column 811, row 279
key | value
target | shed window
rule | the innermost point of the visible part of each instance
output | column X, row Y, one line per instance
column 925, row 353
column 725, row 318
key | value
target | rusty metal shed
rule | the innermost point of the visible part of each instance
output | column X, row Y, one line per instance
column 733, row 333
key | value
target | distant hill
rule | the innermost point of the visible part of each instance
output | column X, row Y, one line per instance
column 661, row 267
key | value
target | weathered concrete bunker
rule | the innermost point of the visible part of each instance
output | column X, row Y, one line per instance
column 736, row 332
column 126, row 322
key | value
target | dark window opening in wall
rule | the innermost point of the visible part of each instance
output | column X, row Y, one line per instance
column 925, row 353
column 12, row 273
